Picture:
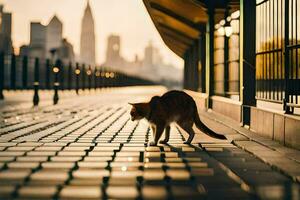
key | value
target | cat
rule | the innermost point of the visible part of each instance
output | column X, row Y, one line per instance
column 173, row 106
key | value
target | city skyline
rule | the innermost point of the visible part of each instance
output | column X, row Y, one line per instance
column 127, row 26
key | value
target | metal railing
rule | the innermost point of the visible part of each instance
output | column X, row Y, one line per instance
column 277, row 55
column 23, row 73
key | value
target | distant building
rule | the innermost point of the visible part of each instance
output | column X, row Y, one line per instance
column 87, row 40
column 44, row 39
column 38, row 38
column 65, row 52
column 5, row 32
column 152, row 56
column 151, row 67
column 37, row 34
column 113, row 57
column 53, row 35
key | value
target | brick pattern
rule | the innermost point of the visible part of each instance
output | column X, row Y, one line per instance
column 93, row 151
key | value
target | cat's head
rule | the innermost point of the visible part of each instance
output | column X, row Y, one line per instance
column 138, row 111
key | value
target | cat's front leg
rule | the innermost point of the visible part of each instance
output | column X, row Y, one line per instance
column 158, row 132
column 167, row 136
column 153, row 127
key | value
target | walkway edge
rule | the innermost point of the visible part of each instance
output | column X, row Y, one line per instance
column 279, row 157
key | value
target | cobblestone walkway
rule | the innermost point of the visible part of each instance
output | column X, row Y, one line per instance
column 87, row 148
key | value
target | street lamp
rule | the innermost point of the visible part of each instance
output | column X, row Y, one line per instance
column 36, row 98
column 77, row 72
column 89, row 73
column 56, row 70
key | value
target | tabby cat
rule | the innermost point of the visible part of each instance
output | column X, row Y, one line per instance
column 173, row 106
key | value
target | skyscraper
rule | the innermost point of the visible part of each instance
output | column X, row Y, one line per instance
column 37, row 40
column 53, row 35
column 87, row 40
column 37, row 34
column 5, row 32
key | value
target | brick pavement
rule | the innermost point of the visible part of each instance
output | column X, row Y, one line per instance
column 87, row 148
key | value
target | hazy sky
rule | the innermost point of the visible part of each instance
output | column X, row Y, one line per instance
column 127, row 18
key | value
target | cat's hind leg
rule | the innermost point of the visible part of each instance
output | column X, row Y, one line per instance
column 167, row 135
column 188, row 127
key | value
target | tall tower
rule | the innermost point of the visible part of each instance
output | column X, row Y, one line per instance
column 87, row 40
column 113, row 49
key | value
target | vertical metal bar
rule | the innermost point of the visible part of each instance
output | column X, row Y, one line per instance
column 56, row 70
column 89, row 73
column 277, row 54
column 210, row 54
column 77, row 73
column 291, row 64
column 282, row 50
column 1, row 75
column 264, row 48
column 62, row 75
column 286, row 56
column 95, row 77
column 102, row 78
column 24, row 72
column 83, row 77
column 13, row 72
column 273, row 54
column 70, row 76
column 269, row 54
column 48, row 74
column 256, row 49
column 36, row 82
column 296, row 64
column 247, row 57
column 259, row 78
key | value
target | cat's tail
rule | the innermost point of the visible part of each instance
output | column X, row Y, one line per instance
column 200, row 125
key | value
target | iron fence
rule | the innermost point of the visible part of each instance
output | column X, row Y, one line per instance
column 22, row 72
column 277, row 56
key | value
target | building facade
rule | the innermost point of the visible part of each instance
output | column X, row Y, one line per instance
column 87, row 38
column 152, row 56
column 5, row 32
column 38, row 38
column 113, row 56
column 53, row 35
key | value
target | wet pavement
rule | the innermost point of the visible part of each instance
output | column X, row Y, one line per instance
column 87, row 148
